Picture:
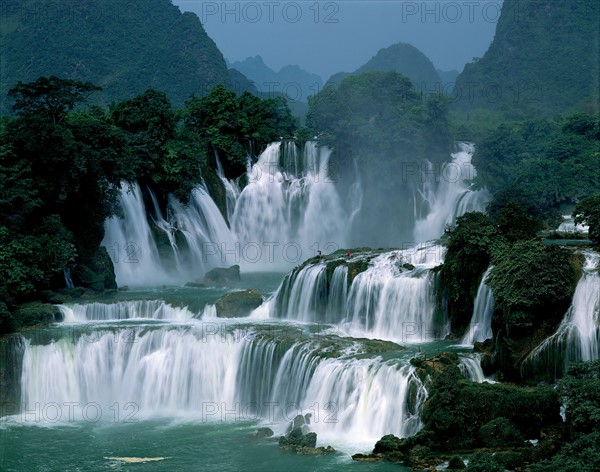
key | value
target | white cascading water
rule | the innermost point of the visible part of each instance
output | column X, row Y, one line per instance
column 209, row 241
column 578, row 336
column 135, row 309
column 451, row 197
column 232, row 190
column 289, row 210
column 130, row 243
column 480, row 327
column 386, row 301
column 366, row 399
column 196, row 372
column 292, row 207
column 470, row 366
column 569, row 226
column 135, row 254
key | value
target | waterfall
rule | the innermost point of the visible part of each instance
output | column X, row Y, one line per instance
column 578, row 336
column 451, row 197
column 569, row 226
column 232, row 189
column 289, row 210
column 470, row 366
column 291, row 206
column 205, row 240
column 130, row 243
column 197, row 372
column 366, row 398
column 392, row 299
column 208, row 238
column 480, row 327
column 68, row 278
column 138, row 309
column 338, row 295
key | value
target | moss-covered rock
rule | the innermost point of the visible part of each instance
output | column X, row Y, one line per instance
column 36, row 313
column 238, row 304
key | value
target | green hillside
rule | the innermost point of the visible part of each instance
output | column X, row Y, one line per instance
column 123, row 46
column 403, row 58
column 542, row 61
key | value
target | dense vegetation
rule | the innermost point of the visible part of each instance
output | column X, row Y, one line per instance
column 124, row 46
column 543, row 61
column 494, row 422
column 541, row 164
column 61, row 167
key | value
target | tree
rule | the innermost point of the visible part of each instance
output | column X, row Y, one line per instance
column 50, row 96
column 588, row 211
column 471, row 245
column 531, row 283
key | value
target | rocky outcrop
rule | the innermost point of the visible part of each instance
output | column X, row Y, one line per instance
column 300, row 441
column 222, row 277
column 238, row 304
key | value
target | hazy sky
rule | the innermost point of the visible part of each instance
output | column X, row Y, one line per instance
column 326, row 37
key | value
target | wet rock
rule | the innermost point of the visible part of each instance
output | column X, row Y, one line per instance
column 368, row 457
column 223, row 277
column 238, row 304
column 456, row 463
column 408, row 266
column 263, row 433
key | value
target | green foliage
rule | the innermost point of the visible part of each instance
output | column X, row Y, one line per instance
column 540, row 164
column 532, row 282
column 588, row 211
column 541, row 62
column 61, row 171
column 581, row 390
column 50, row 96
column 583, row 455
column 514, row 216
column 458, row 409
column 471, row 244
column 158, row 47
column 231, row 125
column 456, row 463
column 483, row 462
column 500, row 432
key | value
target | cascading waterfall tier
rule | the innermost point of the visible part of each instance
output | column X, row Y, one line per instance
column 126, row 310
column 290, row 208
column 480, row 327
column 390, row 295
column 226, row 372
column 578, row 336
column 193, row 239
column 448, row 195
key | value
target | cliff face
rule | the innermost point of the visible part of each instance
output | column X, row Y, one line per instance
column 124, row 46
column 543, row 61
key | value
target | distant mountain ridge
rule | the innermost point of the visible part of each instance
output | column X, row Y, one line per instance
column 544, row 60
column 291, row 80
column 124, row 46
column 405, row 59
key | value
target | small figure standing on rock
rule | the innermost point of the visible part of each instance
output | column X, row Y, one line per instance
column 319, row 254
column 348, row 253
